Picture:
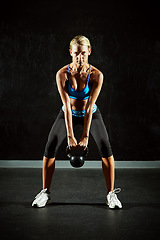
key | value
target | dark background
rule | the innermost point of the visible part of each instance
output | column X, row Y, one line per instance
column 34, row 40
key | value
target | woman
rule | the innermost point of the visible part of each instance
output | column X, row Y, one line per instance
column 79, row 85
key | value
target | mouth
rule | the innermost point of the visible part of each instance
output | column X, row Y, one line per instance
column 80, row 62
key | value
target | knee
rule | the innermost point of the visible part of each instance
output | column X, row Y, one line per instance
column 49, row 153
column 48, row 161
column 111, row 158
column 108, row 160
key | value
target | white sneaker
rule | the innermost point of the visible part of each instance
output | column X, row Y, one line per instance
column 112, row 201
column 42, row 199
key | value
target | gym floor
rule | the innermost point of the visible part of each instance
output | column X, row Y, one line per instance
column 78, row 210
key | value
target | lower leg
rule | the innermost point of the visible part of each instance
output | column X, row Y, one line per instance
column 48, row 170
column 109, row 172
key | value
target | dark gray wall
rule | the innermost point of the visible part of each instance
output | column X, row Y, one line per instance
column 126, row 48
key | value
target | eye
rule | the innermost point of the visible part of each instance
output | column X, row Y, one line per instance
column 83, row 53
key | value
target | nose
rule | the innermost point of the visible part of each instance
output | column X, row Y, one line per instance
column 79, row 56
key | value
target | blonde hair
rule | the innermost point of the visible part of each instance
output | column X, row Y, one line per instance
column 80, row 40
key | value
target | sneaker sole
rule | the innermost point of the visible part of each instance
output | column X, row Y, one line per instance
column 115, row 207
column 42, row 205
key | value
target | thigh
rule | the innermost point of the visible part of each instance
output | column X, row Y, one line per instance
column 59, row 128
column 100, row 135
column 56, row 135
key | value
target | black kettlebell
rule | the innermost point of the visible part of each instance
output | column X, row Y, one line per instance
column 76, row 156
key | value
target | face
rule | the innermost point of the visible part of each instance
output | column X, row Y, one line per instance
column 80, row 54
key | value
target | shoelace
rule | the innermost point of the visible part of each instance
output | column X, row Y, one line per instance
column 116, row 190
column 43, row 191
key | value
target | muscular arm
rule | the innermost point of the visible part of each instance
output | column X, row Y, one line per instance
column 60, row 79
column 97, row 85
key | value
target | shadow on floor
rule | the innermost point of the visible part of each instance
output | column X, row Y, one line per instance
column 126, row 206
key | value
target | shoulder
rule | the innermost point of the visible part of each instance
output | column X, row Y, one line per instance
column 96, row 75
column 62, row 71
column 62, row 75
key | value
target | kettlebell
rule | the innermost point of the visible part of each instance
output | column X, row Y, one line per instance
column 76, row 156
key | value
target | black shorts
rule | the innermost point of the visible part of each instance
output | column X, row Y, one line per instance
column 97, row 130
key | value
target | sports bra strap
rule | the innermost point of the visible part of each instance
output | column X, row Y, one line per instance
column 89, row 73
column 69, row 68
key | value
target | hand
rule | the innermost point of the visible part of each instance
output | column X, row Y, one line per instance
column 83, row 142
column 72, row 142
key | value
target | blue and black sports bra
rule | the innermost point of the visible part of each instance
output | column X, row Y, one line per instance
column 81, row 95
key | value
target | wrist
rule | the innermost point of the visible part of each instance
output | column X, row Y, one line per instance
column 85, row 136
column 70, row 136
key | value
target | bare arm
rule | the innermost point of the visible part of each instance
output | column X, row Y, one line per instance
column 97, row 85
column 61, row 79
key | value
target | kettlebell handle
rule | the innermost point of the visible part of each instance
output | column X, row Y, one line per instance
column 84, row 152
